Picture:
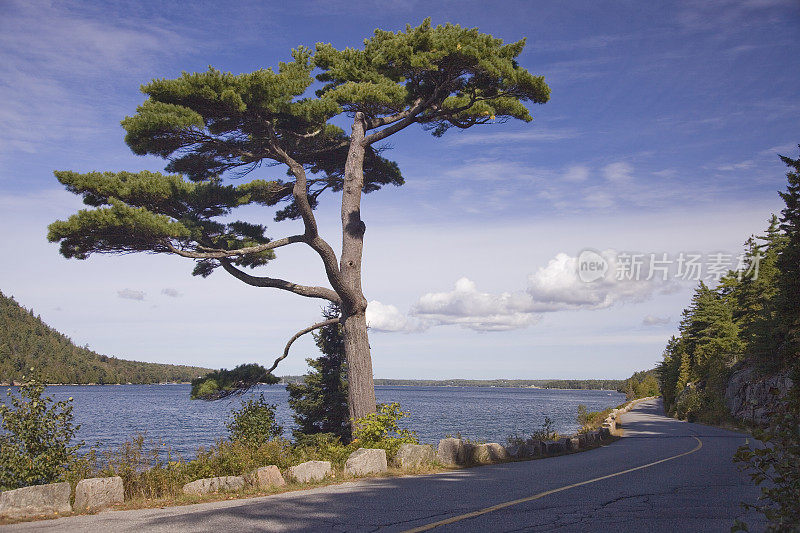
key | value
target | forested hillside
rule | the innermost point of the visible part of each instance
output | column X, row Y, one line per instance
column 26, row 342
column 750, row 319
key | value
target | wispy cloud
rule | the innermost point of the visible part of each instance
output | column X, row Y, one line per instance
column 130, row 294
column 576, row 187
column 788, row 149
column 533, row 135
column 618, row 173
column 651, row 320
column 172, row 293
column 576, row 174
column 58, row 67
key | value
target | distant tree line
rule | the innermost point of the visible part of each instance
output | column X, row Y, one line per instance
column 573, row 384
column 641, row 385
column 751, row 317
column 27, row 342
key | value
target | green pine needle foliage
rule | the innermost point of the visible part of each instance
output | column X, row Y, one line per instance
column 320, row 400
column 212, row 125
column 223, row 383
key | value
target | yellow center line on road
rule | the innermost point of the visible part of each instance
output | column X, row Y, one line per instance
column 503, row 505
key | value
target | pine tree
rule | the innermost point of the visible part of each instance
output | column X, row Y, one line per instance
column 788, row 282
column 668, row 370
column 684, row 373
column 213, row 124
column 320, row 402
column 765, row 334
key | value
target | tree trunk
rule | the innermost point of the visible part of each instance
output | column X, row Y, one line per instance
column 361, row 388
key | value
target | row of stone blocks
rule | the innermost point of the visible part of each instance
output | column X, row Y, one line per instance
column 44, row 500
column 361, row 462
column 457, row 452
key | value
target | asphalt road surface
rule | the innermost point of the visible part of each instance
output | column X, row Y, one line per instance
column 663, row 475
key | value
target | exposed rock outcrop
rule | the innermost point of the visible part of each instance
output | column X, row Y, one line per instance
column 486, row 454
column 750, row 397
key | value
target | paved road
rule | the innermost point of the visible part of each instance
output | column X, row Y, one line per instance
column 699, row 490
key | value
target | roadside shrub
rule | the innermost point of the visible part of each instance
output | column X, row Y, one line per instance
column 322, row 447
column 515, row 439
column 381, row 430
column 151, row 470
column 235, row 458
column 254, row 422
column 35, row 444
column 546, row 432
column 589, row 420
column 688, row 404
column 139, row 465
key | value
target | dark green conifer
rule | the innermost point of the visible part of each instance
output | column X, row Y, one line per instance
column 320, row 402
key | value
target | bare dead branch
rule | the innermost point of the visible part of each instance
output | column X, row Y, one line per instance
column 300, row 334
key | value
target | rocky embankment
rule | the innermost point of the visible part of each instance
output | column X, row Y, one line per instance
column 752, row 398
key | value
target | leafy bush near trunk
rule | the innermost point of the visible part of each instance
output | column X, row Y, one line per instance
column 36, row 443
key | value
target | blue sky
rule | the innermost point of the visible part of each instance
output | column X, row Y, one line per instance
column 661, row 137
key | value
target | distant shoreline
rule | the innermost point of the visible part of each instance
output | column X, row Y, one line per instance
column 15, row 384
column 598, row 385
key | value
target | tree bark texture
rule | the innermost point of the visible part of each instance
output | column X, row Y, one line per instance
column 361, row 387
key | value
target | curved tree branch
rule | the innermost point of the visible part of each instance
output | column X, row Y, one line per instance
column 377, row 122
column 276, row 283
column 407, row 117
column 298, row 335
column 311, row 236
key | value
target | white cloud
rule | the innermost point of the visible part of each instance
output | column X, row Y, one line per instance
column 576, row 174
column 172, row 293
column 382, row 317
column 552, row 288
column 130, row 294
column 466, row 306
column 576, row 188
column 619, row 172
column 651, row 320
column 744, row 165
column 558, row 286
column 787, row 149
